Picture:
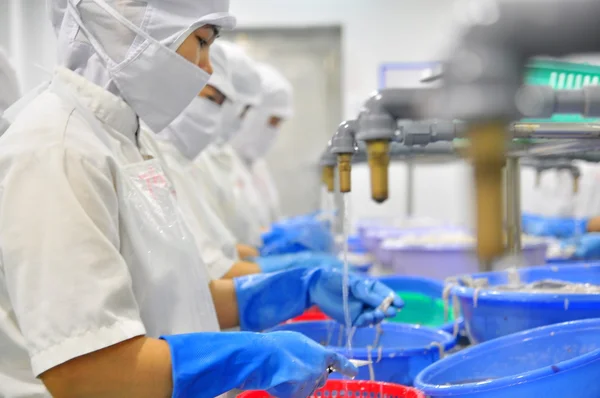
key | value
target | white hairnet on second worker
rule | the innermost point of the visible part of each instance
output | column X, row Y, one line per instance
column 247, row 83
column 96, row 45
column 257, row 135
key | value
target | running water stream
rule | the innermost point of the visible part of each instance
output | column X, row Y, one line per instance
column 346, row 275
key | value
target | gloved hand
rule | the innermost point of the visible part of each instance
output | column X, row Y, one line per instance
column 285, row 364
column 553, row 226
column 306, row 233
column 587, row 247
column 266, row 300
column 304, row 259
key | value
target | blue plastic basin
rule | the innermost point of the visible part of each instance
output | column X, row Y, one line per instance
column 499, row 314
column 425, row 286
column 553, row 361
column 406, row 349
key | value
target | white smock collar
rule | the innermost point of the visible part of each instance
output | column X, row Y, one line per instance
column 107, row 107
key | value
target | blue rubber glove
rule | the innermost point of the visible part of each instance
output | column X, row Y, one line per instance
column 553, row 226
column 307, row 233
column 266, row 300
column 304, row 259
column 587, row 247
column 285, row 364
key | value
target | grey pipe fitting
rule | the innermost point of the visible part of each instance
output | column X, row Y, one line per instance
column 485, row 70
column 427, row 132
column 544, row 101
column 378, row 117
column 328, row 158
column 344, row 139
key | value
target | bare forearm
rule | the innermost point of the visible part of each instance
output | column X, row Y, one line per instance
column 246, row 251
column 242, row 268
column 593, row 225
column 140, row 367
column 225, row 300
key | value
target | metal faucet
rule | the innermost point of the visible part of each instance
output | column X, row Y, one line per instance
column 378, row 126
column 327, row 163
column 343, row 146
column 483, row 76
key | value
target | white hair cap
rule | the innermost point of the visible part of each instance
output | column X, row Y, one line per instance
column 245, row 75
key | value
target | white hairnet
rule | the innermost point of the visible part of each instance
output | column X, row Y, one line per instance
column 167, row 21
column 277, row 97
column 221, row 76
column 257, row 136
column 9, row 84
column 244, row 72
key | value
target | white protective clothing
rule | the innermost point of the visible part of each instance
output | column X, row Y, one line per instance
column 266, row 188
column 216, row 165
column 9, row 88
column 94, row 248
column 176, row 147
column 247, row 84
column 554, row 196
column 216, row 244
column 257, row 137
column 232, row 197
column 101, row 44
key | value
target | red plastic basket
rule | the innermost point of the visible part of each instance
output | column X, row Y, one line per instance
column 311, row 314
column 355, row 389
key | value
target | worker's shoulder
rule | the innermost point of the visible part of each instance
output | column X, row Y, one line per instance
column 50, row 124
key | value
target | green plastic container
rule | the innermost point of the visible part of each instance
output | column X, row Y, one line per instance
column 420, row 309
column 562, row 75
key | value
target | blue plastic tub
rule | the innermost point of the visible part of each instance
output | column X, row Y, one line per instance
column 406, row 349
column 497, row 314
column 553, row 361
column 425, row 286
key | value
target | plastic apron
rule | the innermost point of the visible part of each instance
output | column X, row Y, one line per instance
column 237, row 206
column 185, row 176
column 168, row 278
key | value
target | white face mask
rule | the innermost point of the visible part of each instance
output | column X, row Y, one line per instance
column 231, row 122
column 156, row 82
column 196, row 127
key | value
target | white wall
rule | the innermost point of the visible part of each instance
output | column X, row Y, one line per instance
column 376, row 32
column 373, row 32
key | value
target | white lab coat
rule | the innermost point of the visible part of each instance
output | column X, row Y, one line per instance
column 216, row 243
column 267, row 189
column 234, row 198
column 94, row 248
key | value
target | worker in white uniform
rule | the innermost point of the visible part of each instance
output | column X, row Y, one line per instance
column 177, row 146
column 214, row 165
column 102, row 288
column 258, row 134
column 9, row 88
column 236, row 200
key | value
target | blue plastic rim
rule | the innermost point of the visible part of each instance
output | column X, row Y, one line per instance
column 425, row 286
column 406, row 349
column 560, row 360
column 496, row 314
